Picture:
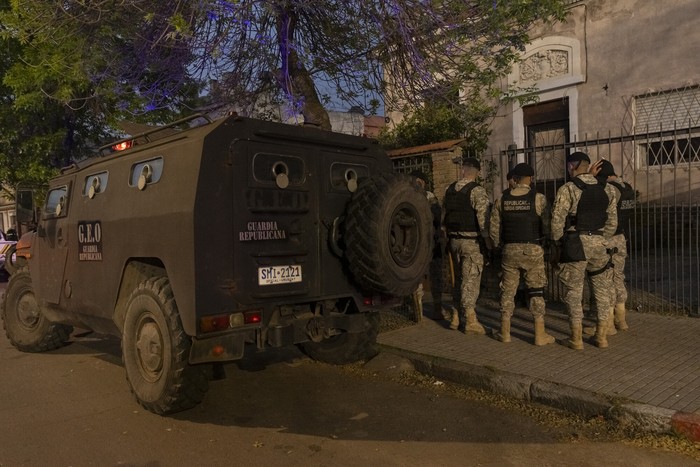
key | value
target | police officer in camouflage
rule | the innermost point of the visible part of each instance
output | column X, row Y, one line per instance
column 520, row 220
column 584, row 217
column 626, row 201
column 435, row 271
column 466, row 212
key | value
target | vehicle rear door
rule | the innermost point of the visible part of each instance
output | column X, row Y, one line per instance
column 276, row 231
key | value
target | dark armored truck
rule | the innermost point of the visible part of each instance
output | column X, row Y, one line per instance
column 192, row 243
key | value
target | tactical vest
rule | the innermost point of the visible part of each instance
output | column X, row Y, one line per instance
column 591, row 213
column 519, row 220
column 460, row 216
column 625, row 206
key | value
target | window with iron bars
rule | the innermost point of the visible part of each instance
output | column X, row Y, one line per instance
column 406, row 165
column 673, row 114
column 674, row 151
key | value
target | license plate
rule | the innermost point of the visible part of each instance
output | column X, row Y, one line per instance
column 279, row 274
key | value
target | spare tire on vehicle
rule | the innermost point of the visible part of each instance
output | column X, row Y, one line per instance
column 388, row 234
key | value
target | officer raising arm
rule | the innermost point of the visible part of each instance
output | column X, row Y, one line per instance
column 583, row 218
column 466, row 209
column 520, row 220
column 626, row 201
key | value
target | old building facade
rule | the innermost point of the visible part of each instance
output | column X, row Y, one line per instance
column 621, row 80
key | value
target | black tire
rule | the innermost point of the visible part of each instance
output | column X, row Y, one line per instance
column 25, row 325
column 347, row 347
column 388, row 235
column 9, row 266
column 155, row 350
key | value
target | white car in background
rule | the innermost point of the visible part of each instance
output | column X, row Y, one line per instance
column 6, row 241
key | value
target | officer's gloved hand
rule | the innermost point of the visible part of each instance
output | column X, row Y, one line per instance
column 488, row 243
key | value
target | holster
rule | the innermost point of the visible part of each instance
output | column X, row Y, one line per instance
column 571, row 248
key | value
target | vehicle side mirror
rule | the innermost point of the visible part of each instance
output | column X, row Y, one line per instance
column 24, row 206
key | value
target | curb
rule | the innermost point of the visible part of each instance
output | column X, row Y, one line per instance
column 629, row 415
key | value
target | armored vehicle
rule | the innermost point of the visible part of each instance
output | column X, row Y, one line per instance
column 196, row 240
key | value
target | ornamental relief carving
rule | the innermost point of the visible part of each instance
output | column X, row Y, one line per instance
column 545, row 64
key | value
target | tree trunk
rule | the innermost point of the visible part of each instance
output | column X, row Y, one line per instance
column 294, row 78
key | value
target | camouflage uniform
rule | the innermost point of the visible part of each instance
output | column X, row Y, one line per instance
column 525, row 257
column 619, row 241
column 572, row 275
column 619, row 293
column 467, row 258
column 435, row 270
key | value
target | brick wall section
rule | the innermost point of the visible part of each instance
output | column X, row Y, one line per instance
column 445, row 172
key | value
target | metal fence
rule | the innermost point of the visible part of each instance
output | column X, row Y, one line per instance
column 663, row 267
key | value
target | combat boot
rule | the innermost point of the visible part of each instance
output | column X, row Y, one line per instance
column 438, row 312
column 473, row 325
column 445, row 314
column 592, row 330
column 504, row 335
column 454, row 320
column 611, row 323
column 619, row 320
column 541, row 336
column 417, row 306
column 576, row 340
column 600, row 340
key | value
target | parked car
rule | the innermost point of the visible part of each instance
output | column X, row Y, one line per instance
column 5, row 246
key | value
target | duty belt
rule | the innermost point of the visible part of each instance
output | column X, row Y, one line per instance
column 590, row 232
column 528, row 242
column 464, row 237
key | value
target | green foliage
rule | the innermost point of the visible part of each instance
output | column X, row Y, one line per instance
column 436, row 123
column 70, row 69
column 65, row 79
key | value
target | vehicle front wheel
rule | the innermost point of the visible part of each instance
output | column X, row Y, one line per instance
column 347, row 347
column 25, row 325
column 155, row 350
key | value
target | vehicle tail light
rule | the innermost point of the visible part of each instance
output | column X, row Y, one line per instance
column 252, row 317
column 371, row 301
column 216, row 323
column 381, row 300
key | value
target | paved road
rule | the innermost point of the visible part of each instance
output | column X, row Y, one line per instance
column 72, row 407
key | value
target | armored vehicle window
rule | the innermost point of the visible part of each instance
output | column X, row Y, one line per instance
column 56, row 202
column 94, row 184
column 344, row 176
column 267, row 168
column 146, row 173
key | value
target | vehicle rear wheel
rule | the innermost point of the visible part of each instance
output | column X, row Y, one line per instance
column 347, row 347
column 389, row 235
column 25, row 325
column 155, row 350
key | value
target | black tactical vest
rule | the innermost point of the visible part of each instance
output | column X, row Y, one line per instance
column 519, row 220
column 625, row 206
column 591, row 212
column 459, row 214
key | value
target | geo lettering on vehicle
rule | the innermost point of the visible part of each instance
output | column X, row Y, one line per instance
column 266, row 230
column 89, row 241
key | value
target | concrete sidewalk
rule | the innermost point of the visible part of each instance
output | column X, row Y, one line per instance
column 648, row 379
